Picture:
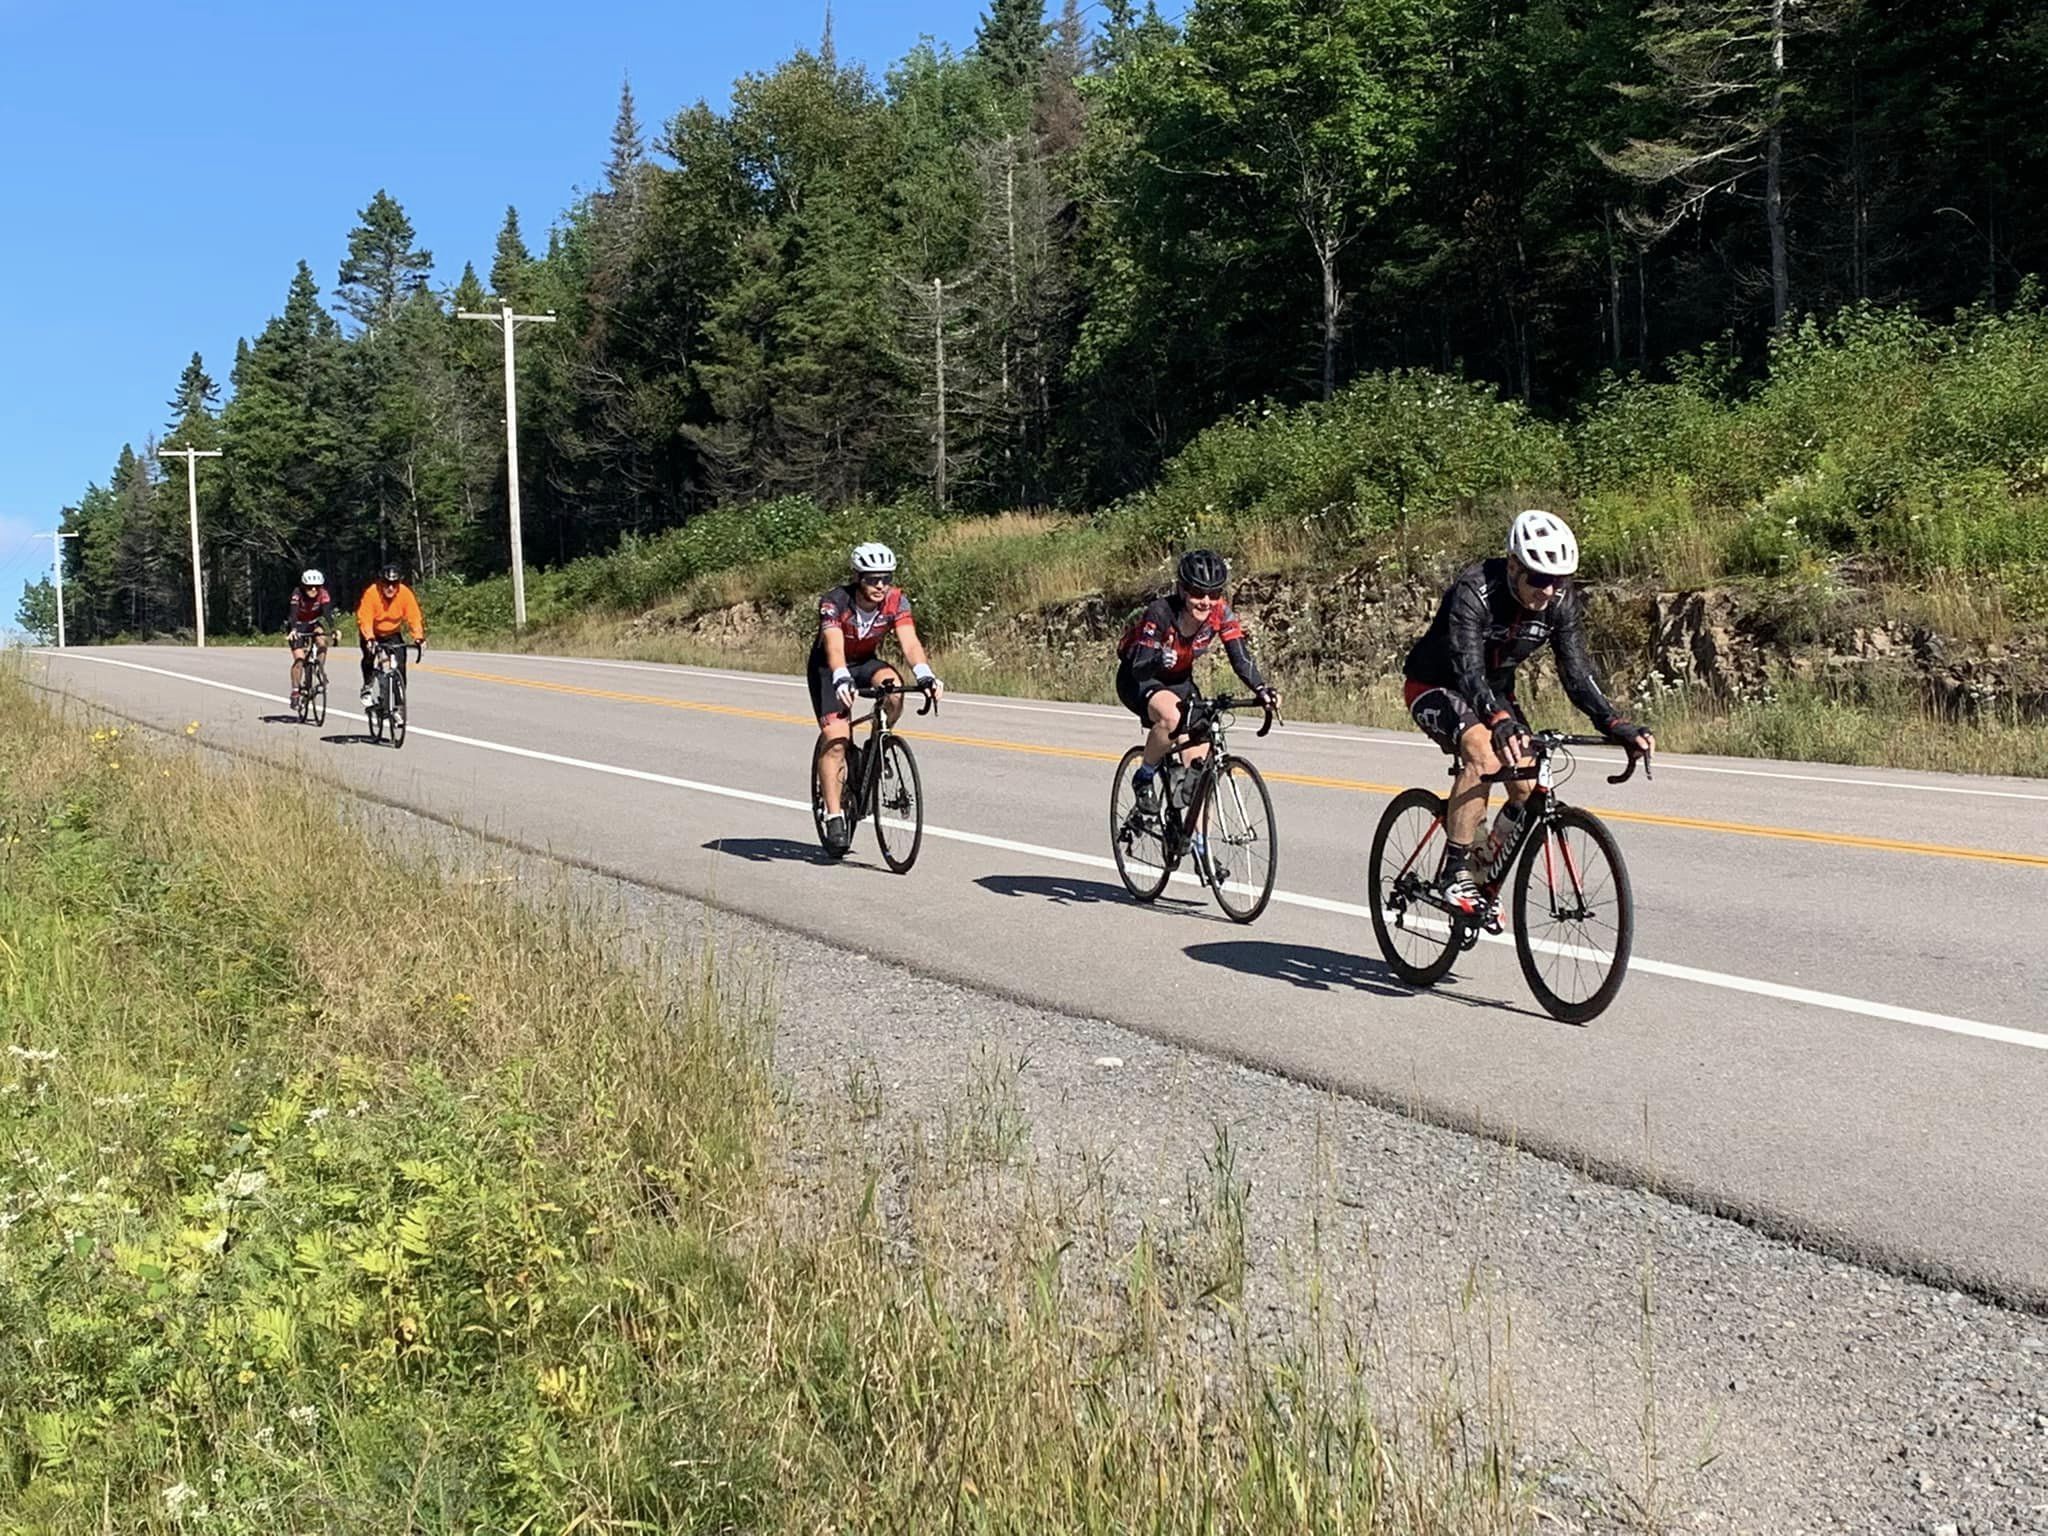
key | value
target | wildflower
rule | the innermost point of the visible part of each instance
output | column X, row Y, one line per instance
column 318, row 1113
column 305, row 1417
column 241, row 1186
column 192, row 728
column 177, row 1496
column 33, row 1058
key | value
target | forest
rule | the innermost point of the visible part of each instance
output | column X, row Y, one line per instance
column 1030, row 274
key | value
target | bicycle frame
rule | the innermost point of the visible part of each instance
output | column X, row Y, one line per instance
column 861, row 793
column 1206, row 723
column 1541, row 809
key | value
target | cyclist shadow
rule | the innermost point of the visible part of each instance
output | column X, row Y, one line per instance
column 771, row 850
column 1063, row 890
column 280, row 720
column 1302, row 965
column 352, row 739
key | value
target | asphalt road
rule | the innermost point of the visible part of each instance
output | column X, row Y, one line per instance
column 1833, row 1026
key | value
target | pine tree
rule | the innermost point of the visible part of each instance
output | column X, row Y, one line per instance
column 37, row 614
column 1010, row 42
column 383, row 268
column 509, row 266
column 629, row 146
column 197, row 394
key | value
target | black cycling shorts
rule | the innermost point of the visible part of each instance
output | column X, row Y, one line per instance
column 824, row 701
column 1445, row 715
column 1136, row 700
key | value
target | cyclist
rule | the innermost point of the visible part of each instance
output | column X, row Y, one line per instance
column 1461, row 678
column 853, row 619
column 387, row 609
column 308, row 623
column 1157, row 654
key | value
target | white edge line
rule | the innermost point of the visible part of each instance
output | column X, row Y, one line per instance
column 1889, row 1012
column 1380, row 739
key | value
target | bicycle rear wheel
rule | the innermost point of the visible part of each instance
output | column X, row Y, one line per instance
column 818, row 799
column 1138, row 840
column 899, row 805
column 1575, row 923
column 1240, row 843
column 1418, row 942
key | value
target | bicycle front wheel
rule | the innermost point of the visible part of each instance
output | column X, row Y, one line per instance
column 397, row 722
column 1575, row 916
column 1239, row 842
column 1418, row 941
column 1138, row 839
column 899, row 805
column 317, row 704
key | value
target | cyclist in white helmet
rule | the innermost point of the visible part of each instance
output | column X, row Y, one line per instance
column 308, row 622
column 1461, row 676
column 853, row 620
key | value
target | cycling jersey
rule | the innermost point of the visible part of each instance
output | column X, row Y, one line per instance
column 309, row 608
column 379, row 620
column 863, row 628
column 1154, row 650
column 1481, row 633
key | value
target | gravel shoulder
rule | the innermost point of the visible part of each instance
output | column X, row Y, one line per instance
column 1664, row 1369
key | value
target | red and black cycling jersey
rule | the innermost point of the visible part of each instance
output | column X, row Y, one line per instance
column 864, row 628
column 1155, row 650
column 309, row 607
column 1481, row 633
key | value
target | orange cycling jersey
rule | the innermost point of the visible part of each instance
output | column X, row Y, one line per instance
column 377, row 619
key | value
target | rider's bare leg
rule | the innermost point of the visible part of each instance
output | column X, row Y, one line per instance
column 835, row 730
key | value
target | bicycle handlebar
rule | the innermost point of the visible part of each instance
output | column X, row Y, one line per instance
column 1205, row 712
column 1549, row 741
column 883, row 690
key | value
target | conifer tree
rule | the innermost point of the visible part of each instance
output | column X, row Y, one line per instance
column 383, row 268
column 509, row 265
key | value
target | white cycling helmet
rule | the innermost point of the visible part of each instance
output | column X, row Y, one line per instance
column 1541, row 542
column 312, row 579
column 874, row 560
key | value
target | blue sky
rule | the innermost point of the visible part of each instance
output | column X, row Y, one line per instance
column 167, row 165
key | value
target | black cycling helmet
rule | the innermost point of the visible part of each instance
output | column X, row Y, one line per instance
column 391, row 573
column 1204, row 571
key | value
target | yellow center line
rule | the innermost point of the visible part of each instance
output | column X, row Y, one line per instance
column 1313, row 781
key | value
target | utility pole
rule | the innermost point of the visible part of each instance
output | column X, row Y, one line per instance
column 508, row 322
column 57, row 537
column 192, row 456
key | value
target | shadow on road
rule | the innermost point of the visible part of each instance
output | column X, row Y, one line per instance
column 771, row 850
column 1065, row 890
column 281, row 720
column 358, row 739
column 1302, row 965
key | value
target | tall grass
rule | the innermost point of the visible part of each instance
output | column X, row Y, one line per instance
column 342, row 1191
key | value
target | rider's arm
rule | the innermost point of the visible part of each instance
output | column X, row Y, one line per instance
column 366, row 617
column 1147, row 657
column 1239, row 649
column 1575, row 665
column 409, row 613
column 913, row 649
column 1468, row 624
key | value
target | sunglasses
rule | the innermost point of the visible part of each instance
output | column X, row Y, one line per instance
column 1542, row 581
column 878, row 579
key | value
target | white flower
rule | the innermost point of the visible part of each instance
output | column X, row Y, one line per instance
column 241, row 1186
column 315, row 1115
column 305, row 1417
column 177, row 1496
column 34, row 1058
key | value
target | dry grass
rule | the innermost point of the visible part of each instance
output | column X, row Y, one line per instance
column 407, row 1205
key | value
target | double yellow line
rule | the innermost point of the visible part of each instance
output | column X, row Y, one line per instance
column 1314, row 781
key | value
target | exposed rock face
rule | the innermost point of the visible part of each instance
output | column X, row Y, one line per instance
column 1358, row 623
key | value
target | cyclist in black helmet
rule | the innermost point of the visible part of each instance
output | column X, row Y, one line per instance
column 1158, row 652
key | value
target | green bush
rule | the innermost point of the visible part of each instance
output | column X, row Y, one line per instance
column 1388, row 450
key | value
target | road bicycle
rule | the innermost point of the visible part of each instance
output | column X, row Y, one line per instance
column 878, row 779
column 1214, row 809
column 312, row 679
column 387, row 691
column 1574, row 911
